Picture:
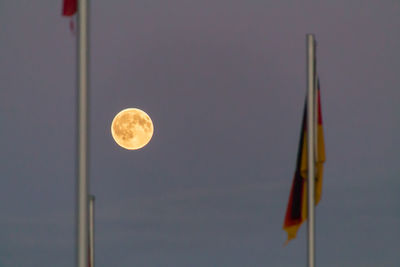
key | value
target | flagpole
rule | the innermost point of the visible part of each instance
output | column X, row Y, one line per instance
column 310, row 148
column 83, row 122
column 91, row 230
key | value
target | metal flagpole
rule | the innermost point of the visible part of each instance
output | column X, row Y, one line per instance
column 91, row 230
column 310, row 148
column 83, row 122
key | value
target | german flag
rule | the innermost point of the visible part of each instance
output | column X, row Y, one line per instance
column 296, row 212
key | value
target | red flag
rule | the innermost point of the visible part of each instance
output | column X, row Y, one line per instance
column 69, row 7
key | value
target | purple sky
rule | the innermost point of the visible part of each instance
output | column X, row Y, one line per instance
column 224, row 83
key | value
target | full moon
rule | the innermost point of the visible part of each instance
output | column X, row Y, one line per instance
column 132, row 128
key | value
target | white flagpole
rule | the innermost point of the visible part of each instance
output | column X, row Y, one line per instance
column 91, row 230
column 310, row 147
column 83, row 123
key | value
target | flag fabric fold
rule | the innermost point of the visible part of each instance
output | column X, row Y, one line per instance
column 296, row 212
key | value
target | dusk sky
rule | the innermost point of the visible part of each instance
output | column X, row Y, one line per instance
column 224, row 83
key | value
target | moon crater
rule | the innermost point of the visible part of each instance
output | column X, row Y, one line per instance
column 132, row 128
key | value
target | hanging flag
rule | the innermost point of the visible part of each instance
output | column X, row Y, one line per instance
column 69, row 7
column 296, row 212
column 296, row 208
column 320, row 151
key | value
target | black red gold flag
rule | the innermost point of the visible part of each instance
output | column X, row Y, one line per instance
column 296, row 212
